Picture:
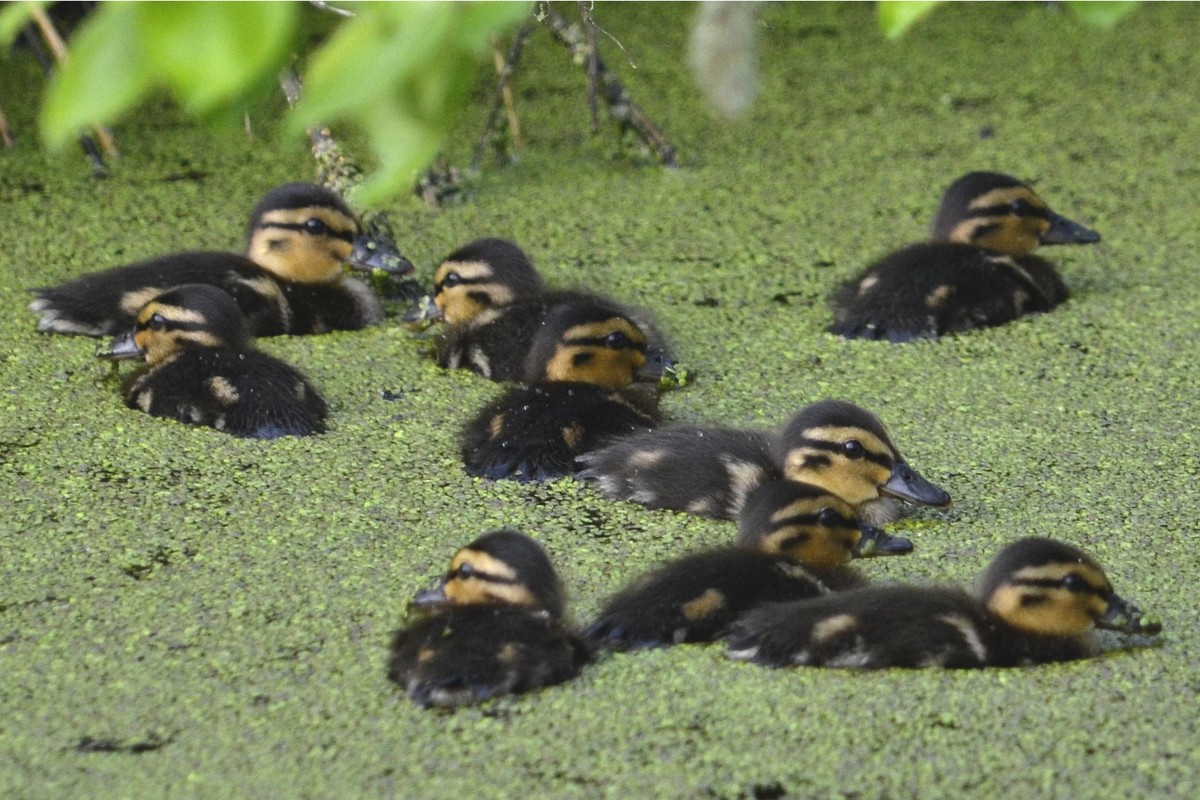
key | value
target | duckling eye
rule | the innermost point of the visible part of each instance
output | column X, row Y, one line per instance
column 316, row 227
column 452, row 279
column 827, row 517
column 1021, row 206
column 465, row 570
column 157, row 322
column 616, row 340
column 852, row 448
column 1075, row 583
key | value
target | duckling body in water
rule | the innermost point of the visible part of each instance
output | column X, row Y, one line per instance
column 794, row 542
column 1038, row 602
column 290, row 281
column 203, row 369
column 979, row 270
column 495, row 627
column 709, row 471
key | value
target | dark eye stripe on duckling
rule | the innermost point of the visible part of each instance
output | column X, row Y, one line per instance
column 312, row 220
column 604, row 334
column 814, row 442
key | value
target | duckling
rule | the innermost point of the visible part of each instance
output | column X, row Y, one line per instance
column 709, row 471
column 978, row 271
column 289, row 281
column 794, row 541
column 203, row 369
column 495, row 304
column 577, row 394
column 1036, row 603
column 495, row 627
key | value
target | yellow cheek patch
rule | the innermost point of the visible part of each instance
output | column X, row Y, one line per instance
column 295, row 255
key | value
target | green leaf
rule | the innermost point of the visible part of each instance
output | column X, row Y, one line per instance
column 105, row 75
column 212, row 54
column 401, row 71
column 897, row 16
column 13, row 18
column 1101, row 15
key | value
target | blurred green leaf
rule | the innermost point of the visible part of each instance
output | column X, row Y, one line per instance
column 104, row 76
column 12, row 18
column 400, row 72
column 1101, row 15
column 896, row 16
column 212, row 54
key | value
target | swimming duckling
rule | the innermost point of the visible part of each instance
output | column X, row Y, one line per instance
column 495, row 304
column 203, row 369
column 709, row 471
column 289, row 281
column 578, row 375
column 979, row 270
column 1036, row 603
column 495, row 627
column 794, row 541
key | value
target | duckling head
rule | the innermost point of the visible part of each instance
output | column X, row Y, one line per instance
column 810, row 527
column 191, row 315
column 1049, row 588
column 503, row 567
column 304, row 232
column 999, row 212
column 480, row 277
column 847, row 451
column 591, row 342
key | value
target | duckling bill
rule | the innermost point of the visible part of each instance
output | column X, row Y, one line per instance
column 289, row 281
column 978, row 271
column 1038, row 602
column 794, row 542
column 494, row 626
column 203, row 370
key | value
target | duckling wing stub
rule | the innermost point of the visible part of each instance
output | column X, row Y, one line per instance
column 106, row 303
column 246, row 394
column 695, row 599
column 705, row 471
column 535, row 433
column 470, row 654
column 928, row 290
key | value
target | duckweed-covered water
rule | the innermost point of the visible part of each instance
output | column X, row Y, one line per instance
column 185, row 614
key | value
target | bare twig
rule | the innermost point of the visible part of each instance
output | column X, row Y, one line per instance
column 501, row 97
column 59, row 48
column 334, row 168
column 593, row 62
column 5, row 131
column 510, row 104
column 323, row 6
column 90, row 149
column 621, row 107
